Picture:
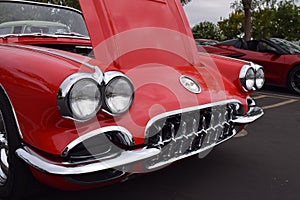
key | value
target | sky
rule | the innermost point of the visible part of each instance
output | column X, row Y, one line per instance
column 207, row 10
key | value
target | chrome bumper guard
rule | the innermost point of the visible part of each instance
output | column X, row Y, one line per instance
column 253, row 114
column 124, row 157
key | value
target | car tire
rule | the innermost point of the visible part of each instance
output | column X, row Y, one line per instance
column 293, row 79
column 16, row 180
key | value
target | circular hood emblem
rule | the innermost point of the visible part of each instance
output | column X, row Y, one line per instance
column 190, row 84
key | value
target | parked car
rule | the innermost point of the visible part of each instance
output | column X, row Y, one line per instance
column 280, row 58
column 91, row 108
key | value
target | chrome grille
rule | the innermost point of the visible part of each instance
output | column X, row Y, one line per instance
column 189, row 131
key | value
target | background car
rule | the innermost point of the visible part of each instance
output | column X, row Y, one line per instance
column 280, row 58
column 130, row 95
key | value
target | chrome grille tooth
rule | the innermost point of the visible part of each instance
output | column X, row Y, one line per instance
column 173, row 131
column 212, row 119
column 203, row 123
column 201, row 140
column 220, row 118
column 195, row 125
column 226, row 115
column 231, row 113
column 182, row 129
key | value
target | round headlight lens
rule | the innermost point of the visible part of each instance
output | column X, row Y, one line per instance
column 250, row 79
column 85, row 99
column 119, row 95
column 260, row 78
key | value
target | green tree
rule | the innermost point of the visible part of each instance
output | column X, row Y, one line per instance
column 286, row 21
column 233, row 26
column 263, row 23
column 248, row 6
column 281, row 20
column 207, row 30
column 269, row 18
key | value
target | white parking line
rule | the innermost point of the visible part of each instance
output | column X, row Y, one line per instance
column 286, row 99
column 260, row 97
column 280, row 104
column 278, row 96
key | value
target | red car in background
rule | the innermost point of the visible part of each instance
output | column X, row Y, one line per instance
column 280, row 58
column 84, row 107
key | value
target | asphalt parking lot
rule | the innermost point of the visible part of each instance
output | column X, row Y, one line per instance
column 263, row 164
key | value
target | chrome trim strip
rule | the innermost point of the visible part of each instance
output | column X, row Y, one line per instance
column 14, row 112
column 47, row 166
column 94, row 133
column 52, row 53
column 184, row 110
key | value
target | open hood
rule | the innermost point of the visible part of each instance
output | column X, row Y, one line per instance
column 131, row 32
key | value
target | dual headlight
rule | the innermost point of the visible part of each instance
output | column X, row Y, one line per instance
column 82, row 95
column 252, row 77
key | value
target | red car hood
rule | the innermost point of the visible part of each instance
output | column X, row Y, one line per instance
column 155, row 31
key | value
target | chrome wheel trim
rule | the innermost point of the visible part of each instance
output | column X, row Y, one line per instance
column 4, row 165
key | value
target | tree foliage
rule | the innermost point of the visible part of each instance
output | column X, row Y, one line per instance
column 207, row 30
column 269, row 19
column 261, row 14
column 233, row 26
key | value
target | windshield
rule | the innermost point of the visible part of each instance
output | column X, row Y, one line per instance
column 28, row 18
column 287, row 46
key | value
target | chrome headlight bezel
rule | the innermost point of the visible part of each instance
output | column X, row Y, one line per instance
column 251, row 78
column 111, row 78
column 259, row 77
column 247, row 75
column 65, row 100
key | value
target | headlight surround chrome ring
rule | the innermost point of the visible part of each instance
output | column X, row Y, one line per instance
column 247, row 77
column 85, row 99
column 118, row 93
column 80, row 97
column 259, row 77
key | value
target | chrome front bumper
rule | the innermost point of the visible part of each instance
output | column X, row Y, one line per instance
column 63, row 168
column 124, row 157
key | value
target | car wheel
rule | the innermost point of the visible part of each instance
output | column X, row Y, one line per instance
column 16, row 181
column 294, row 79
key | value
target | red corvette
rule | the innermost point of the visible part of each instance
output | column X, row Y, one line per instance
column 280, row 58
column 84, row 107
